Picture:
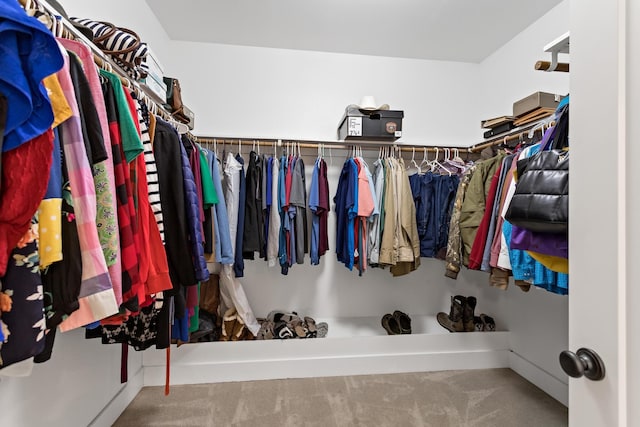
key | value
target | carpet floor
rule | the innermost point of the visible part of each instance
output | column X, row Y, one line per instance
column 491, row 397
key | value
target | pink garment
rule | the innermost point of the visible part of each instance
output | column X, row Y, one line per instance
column 85, row 55
column 365, row 198
column 97, row 299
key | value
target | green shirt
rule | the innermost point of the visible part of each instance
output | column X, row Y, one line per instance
column 131, row 142
column 209, row 195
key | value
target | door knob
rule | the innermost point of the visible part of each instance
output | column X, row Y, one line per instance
column 583, row 362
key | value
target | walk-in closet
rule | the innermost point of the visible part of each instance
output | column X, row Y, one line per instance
column 236, row 194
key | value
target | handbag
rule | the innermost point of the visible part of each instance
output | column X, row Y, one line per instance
column 541, row 200
column 174, row 103
column 122, row 44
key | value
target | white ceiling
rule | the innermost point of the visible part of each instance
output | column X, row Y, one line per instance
column 452, row 30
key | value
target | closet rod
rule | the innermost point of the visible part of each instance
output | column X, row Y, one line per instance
column 102, row 60
column 365, row 145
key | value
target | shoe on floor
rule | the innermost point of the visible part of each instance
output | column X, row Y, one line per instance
column 488, row 323
column 404, row 321
column 390, row 324
column 468, row 314
column 323, row 329
column 453, row 321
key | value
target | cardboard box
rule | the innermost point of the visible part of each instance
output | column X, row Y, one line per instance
column 535, row 101
column 359, row 124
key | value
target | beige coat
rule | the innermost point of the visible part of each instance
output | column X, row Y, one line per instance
column 400, row 246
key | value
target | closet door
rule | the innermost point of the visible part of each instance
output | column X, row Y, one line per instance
column 604, row 302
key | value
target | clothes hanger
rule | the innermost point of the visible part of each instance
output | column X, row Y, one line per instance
column 413, row 167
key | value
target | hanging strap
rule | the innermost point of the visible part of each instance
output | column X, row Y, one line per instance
column 124, row 367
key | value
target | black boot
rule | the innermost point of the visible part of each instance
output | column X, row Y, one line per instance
column 467, row 314
column 453, row 321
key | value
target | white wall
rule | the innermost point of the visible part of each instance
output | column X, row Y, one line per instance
column 132, row 14
column 538, row 321
column 83, row 376
column 71, row 389
column 252, row 92
column 275, row 93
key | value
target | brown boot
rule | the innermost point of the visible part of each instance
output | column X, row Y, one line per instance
column 453, row 321
column 467, row 314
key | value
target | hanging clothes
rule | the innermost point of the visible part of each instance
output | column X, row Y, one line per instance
column 105, row 193
column 319, row 207
column 273, row 204
column 298, row 202
column 97, row 299
column 253, row 235
column 238, row 265
column 223, row 242
column 30, row 53
column 346, row 201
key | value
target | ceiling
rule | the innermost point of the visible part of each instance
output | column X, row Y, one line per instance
column 451, row 30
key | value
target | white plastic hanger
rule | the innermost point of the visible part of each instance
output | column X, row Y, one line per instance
column 413, row 167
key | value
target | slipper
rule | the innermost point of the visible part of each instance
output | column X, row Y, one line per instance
column 488, row 322
column 404, row 321
column 323, row 329
column 477, row 323
column 298, row 327
column 390, row 324
column 283, row 331
column 266, row 330
column 312, row 328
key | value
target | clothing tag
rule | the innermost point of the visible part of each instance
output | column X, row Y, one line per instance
column 355, row 126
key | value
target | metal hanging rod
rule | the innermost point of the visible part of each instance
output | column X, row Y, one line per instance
column 102, row 60
column 346, row 145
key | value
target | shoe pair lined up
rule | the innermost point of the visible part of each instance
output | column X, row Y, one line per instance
column 461, row 317
column 397, row 323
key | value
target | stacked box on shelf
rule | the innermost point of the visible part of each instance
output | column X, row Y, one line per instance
column 154, row 80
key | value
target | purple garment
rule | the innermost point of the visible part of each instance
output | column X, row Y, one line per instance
column 543, row 243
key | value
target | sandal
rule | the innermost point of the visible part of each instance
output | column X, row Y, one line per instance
column 477, row 323
column 488, row 322
column 283, row 331
column 390, row 324
column 312, row 329
column 298, row 327
column 323, row 329
column 266, row 330
column 404, row 321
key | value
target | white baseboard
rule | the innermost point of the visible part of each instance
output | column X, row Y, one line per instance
column 120, row 401
column 551, row 385
column 275, row 359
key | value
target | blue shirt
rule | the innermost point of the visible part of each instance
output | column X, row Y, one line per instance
column 282, row 241
column 28, row 54
column 224, row 249
column 346, row 200
column 314, row 201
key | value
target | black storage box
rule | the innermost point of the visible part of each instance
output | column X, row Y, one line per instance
column 359, row 124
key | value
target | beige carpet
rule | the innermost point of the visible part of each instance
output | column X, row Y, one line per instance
column 493, row 397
